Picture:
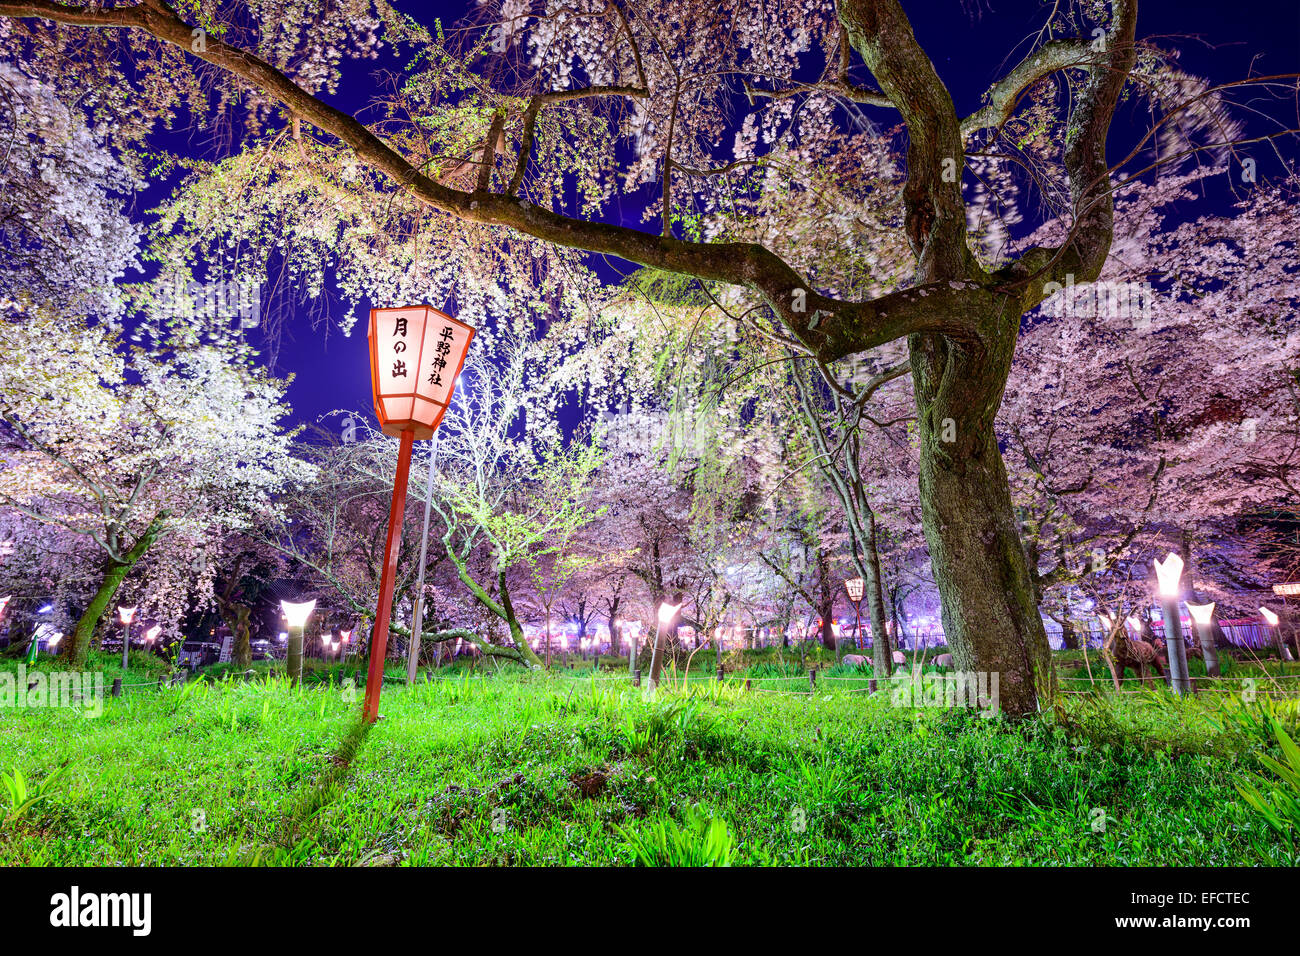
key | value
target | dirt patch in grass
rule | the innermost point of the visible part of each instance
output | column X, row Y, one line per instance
column 590, row 783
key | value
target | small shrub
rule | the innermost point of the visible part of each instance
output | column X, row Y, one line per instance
column 1277, row 802
column 703, row 841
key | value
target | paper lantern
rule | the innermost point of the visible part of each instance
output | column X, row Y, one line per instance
column 416, row 353
column 297, row 614
column 1168, row 574
column 854, row 587
column 668, row 611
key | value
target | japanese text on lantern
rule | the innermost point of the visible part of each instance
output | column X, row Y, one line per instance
column 416, row 354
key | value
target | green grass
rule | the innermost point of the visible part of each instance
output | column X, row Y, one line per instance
column 142, row 666
column 517, row 768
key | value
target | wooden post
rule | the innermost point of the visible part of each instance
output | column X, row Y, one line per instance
column 748, row 684
column 117, row 687
column 719, row 673
column 636, row 677
column 379, row 638
column 812, row 680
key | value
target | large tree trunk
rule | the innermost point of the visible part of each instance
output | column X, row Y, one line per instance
column 114, row 573
column 990, row 616
column 881, row 647
column 242, row 650
column 615, row 634
column 236, row 617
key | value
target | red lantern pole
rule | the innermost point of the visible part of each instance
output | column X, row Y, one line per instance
column 379, row 642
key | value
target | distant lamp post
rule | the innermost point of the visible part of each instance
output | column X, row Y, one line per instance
column 1202, row 617
column 855, row 586
column 151, row 635
column 667, row 612
column 126, row 615
column 416, row 354
column 1168, row 575
column 52, row 644
column 1272, row 620
column 630, row 634
column 295, row 615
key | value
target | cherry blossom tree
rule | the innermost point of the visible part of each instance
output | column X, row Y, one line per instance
column 1149, row 409
column 126, row 448
column 65, row 238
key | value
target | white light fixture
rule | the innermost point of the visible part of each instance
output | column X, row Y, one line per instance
column 854, row 587
column 1269, row 616
column 126, row 614
column 668, row 611
column 297, row 614
column 153, row 632
column 1168, row 574
column 1201, row 613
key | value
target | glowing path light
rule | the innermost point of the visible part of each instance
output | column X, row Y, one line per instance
column 1169, row 574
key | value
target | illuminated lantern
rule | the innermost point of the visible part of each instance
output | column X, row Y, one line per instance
column 667, row 612
column 126, row 615
column 416, row 354
column 297, row 614
column 854, row 587
column 1168, row 575
column 1202, row 614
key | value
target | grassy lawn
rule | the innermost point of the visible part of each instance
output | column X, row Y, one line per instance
column 511, row 768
